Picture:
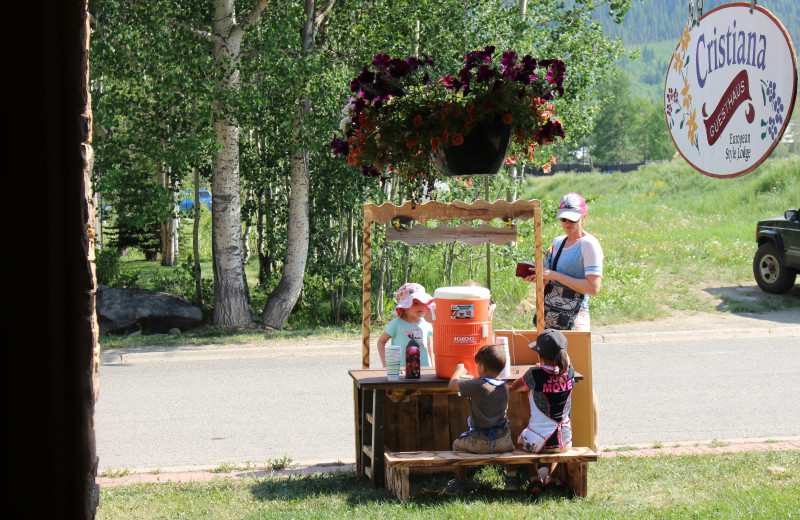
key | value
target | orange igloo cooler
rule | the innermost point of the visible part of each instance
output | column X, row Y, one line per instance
column 461, row 326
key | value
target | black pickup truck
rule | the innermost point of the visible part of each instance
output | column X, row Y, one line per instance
column 777, row 260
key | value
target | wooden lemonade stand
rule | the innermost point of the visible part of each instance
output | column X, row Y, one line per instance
column 422, row 415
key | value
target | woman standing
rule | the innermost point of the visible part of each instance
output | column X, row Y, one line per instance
column 577, row 256
column 578, row 260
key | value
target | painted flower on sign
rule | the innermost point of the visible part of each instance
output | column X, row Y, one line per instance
column 678, row 110
column 692, row 126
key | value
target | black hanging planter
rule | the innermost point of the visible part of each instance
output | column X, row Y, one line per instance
column 483, row 151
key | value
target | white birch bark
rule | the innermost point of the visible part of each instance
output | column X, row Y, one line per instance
column 231, row 296
column 283, row 298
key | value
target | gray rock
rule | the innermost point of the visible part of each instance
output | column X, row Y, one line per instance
column 135, row 333
column 122, row 310
column 174, row 331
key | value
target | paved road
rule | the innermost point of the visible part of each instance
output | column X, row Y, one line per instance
column 201, row 407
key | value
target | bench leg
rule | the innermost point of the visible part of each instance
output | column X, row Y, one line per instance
column 397, row 482
column 577, row 477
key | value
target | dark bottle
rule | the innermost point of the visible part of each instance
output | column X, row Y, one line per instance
column 412, row 360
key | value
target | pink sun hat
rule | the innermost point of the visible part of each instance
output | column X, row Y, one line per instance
column 572, row 206
column 410, row 292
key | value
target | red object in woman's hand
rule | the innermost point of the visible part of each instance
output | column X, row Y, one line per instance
column 525, row 269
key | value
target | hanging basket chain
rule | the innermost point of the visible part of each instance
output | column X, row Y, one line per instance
column 695, row 19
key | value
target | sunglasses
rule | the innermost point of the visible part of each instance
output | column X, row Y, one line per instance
column 562, row 219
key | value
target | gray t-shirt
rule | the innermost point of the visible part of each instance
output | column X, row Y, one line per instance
column 488, row 405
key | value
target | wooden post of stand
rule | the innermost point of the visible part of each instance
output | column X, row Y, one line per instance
column 366, row 278
column 537, row 234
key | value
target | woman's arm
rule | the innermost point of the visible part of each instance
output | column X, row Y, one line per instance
column 589, row 285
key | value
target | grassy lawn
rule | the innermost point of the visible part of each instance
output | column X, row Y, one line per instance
column 750, row 485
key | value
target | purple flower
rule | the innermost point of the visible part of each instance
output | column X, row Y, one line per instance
column 339, row 146
column 359, row 105
column 370, row 171
column 509, row 59
column 366, row 76
column 477, row 58
column 528, row 62
column 771, row 90
column 465, row 75
column 485, row 73
column 511, row 73
column 550, row 130
column 777, row 105
column 381, row 60
column 398, row 68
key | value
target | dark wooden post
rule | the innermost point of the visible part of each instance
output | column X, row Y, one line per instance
column 50, row 283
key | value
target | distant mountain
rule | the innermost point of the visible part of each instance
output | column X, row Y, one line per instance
column 650, row 21
column 653, row 27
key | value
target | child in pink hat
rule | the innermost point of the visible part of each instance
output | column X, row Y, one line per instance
column 412, row 305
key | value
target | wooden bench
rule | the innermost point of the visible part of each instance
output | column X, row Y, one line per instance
column 398, row 464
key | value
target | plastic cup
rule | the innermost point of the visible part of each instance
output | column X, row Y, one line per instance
column 394, row 358
column 506, row 372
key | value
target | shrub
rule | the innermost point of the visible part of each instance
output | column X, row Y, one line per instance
column 110, row 273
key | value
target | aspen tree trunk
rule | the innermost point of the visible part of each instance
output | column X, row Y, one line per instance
column 169, row 227
column 248, row 229
column 231, row 295
column 281, row 300
column 198, row 278
column 264, row 257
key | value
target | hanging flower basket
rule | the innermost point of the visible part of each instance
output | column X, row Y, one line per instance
column 483, row 151
column 400, row 118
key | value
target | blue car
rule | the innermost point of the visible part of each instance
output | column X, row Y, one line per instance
column 187, row 199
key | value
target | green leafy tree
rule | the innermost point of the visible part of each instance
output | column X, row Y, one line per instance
column 273, row 77
column 613, row 131
column 150, row 122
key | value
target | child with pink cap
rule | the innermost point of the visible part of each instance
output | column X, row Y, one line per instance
column 413, row 304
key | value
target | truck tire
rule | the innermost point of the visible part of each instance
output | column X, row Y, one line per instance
column 770, row 273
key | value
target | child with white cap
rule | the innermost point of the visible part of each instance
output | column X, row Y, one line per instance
column 413, row 304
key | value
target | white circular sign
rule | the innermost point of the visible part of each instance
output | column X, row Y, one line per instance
column 730, row 89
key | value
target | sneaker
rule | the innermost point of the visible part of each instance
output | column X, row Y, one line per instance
column 456, row 487
column 512, row 483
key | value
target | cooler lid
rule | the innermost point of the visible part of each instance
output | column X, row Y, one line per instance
column 462, row 292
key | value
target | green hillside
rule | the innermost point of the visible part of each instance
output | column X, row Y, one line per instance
column 675, row 239
column 650, row 21
column 653, row 27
